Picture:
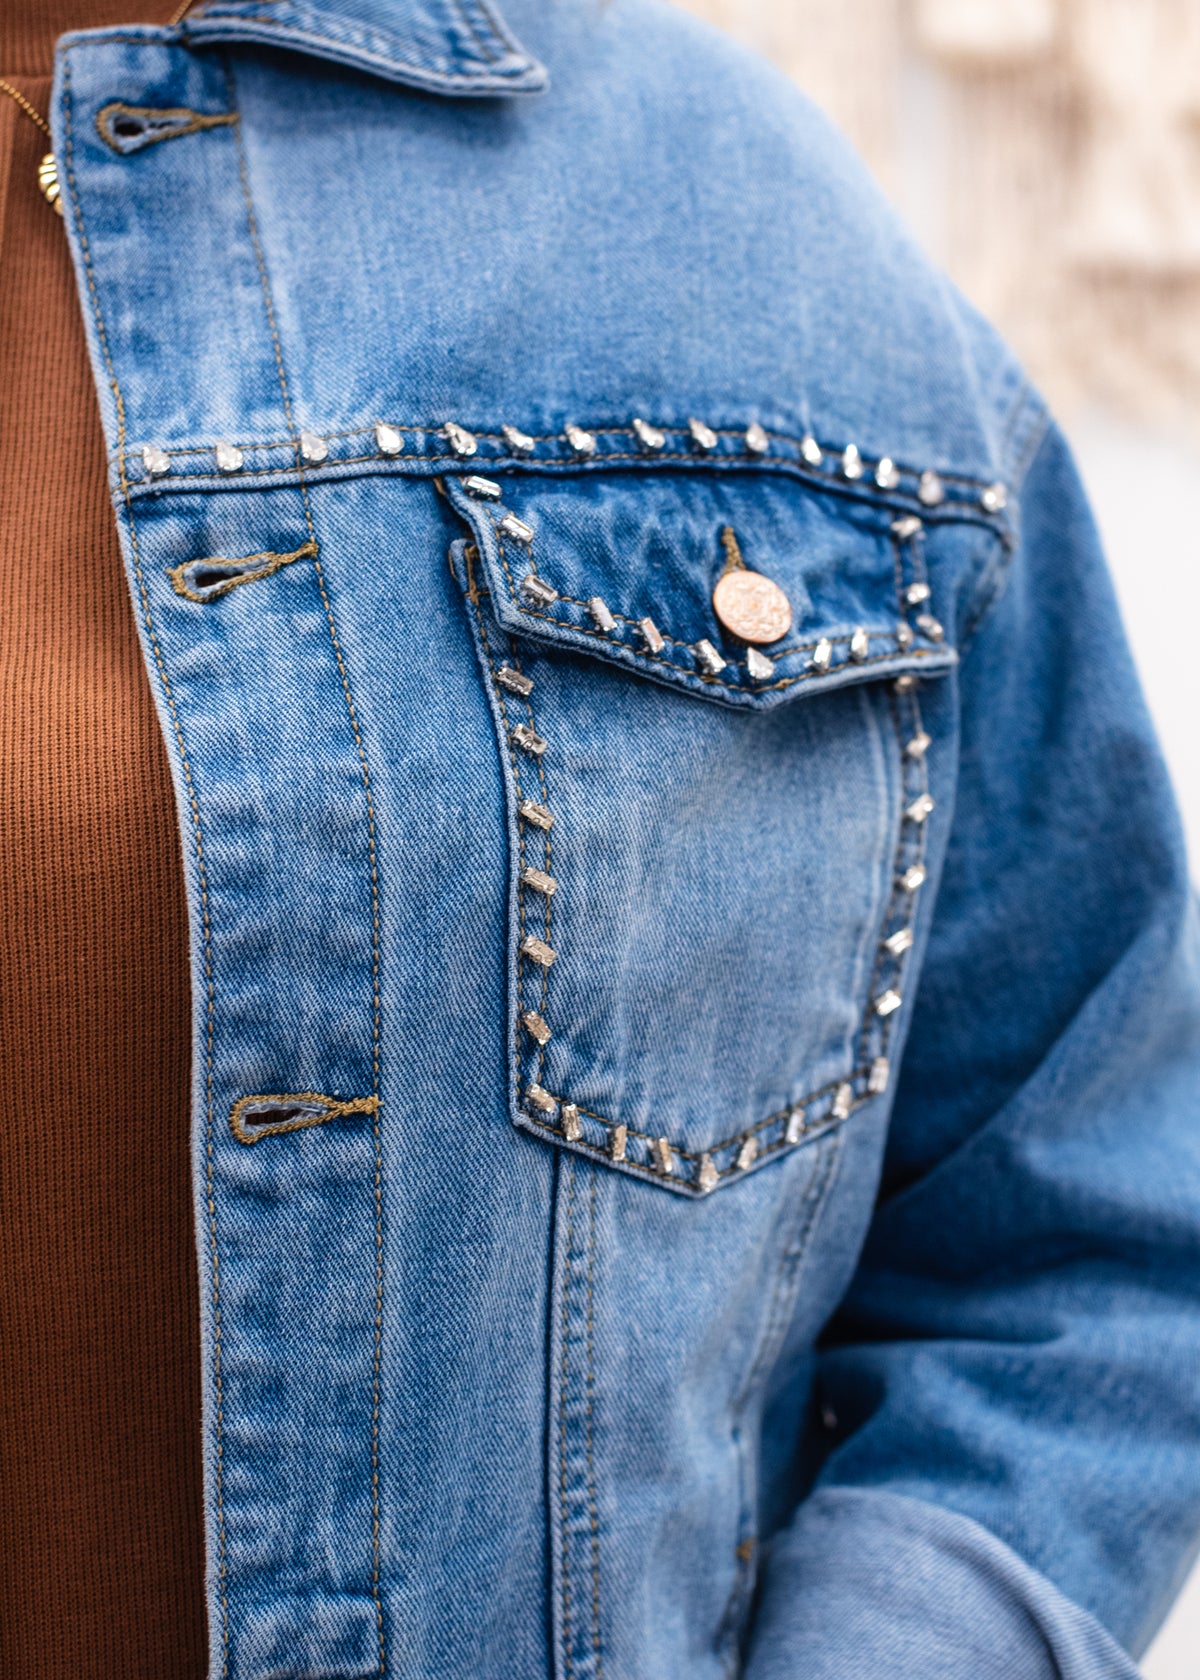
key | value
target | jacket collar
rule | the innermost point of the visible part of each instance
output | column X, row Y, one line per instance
column 443, row 46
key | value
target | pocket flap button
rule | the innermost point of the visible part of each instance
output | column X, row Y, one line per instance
column 752, row 607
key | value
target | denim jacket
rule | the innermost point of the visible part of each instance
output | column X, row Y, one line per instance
column 697, row 1019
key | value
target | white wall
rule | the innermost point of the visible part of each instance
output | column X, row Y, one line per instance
column 1145, row 488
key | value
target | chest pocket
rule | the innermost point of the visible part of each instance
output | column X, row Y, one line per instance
column 716, row 845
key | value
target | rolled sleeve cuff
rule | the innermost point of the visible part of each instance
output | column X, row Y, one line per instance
column 876, row 1585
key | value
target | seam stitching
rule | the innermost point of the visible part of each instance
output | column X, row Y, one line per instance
column 788, row 1274
column 565, row 1544
column 593, row 1512
column 364, row 768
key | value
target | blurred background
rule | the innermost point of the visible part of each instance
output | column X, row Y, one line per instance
column 1047, row 154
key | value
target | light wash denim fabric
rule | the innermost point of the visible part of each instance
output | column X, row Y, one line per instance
column 696, row 1148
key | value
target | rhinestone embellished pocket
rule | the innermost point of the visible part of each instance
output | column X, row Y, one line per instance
column 713, row 904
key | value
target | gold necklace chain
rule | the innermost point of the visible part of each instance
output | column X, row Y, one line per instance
column 47, row 174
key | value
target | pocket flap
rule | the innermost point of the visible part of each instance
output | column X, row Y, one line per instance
column 623, row 567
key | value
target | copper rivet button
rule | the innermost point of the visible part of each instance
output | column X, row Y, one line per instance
column 751, row 607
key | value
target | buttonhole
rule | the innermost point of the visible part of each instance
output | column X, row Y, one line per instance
column 129, row 128
column 206, row 578
column 257, row 1117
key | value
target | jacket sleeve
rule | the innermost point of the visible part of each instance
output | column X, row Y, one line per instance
column 1011, row 1488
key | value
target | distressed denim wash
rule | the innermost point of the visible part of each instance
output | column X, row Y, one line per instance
column 697, row 1145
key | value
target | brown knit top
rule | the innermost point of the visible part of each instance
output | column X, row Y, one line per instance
column 101, row 1544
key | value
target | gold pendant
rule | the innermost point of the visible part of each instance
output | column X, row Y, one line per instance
column 48, row 182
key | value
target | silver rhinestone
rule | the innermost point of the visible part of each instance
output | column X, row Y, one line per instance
column 822, row 654
column 810, row 451
column 528, row 740
column 572, row 1130
column 914, row 878
column 904, row 636
column 852, row 463
column 583, row 443
column 540, row 1099
column 511, row 526
column 994, row 499
column 485, row 488
column 887, row 1003
column 906, row 527
column 916, row 593
column 531, row 812
column 600, row 615
column 702, row 436
column 651, row 635
column 538, row 881
column 649, row 436
column 795, row 1126
column 461, row 441
column 388, row 440
column 931, row 491
column 919, row 745
column 877, row 1080
column 537, row 951
column 756, row 440
column 860, row 644
column 616, row 1144
column 843, row 1102
column 708, row 659
column 535, row 1026
column 920, row 808
column 229, row 457
column 899, row 942
column 887, row 474
column 155, row 460
column 758, row 665
column 519, row 442
column 516, row 682
column 664, row 1159
column 313, row 448
column 747, row 1154
column 708, row 1177
column 930, row 626
column 906, row 683
column 537, row 590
